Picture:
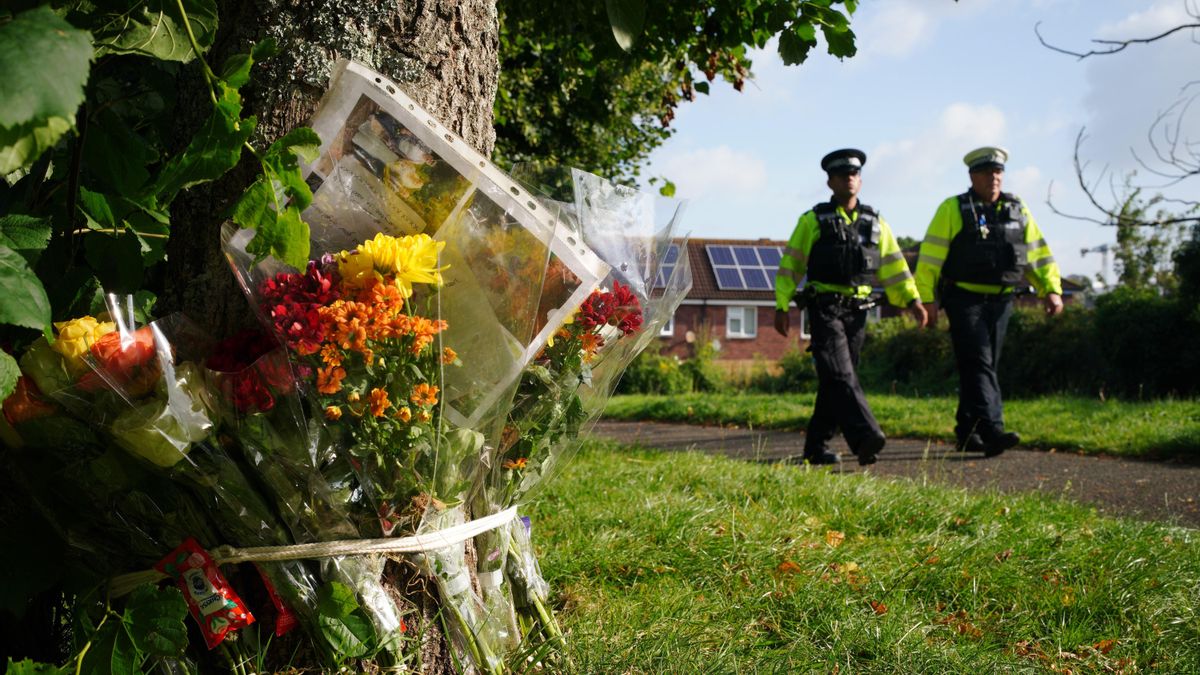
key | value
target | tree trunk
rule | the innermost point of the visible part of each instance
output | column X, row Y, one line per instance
column 443, row 53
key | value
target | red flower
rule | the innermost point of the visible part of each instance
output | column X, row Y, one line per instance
column 627, row 314
column 250, row 371
column 292, row 300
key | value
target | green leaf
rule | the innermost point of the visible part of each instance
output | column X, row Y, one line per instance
column 115, row 155
column 840, row 40
column 22, row 144
column 116, row 260
column 28, row 667
column 112, row 651
column 96, row 210
column 22, row 299
column 25, row 235
column 343, row 622
column 154, row 619
column 215, row 149
column 264, row 50
column 701, row 87
column 154, row 28
column 795, row 43
column 668, row 189
column 44, row 64
column 9, row 372
column 627, row 17
column 283, row 159
column 284, row 236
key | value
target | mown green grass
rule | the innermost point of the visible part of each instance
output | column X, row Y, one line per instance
column 688, row 563
column 1167, row 428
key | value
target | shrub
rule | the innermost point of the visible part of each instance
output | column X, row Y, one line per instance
column 652, row 372
column 898, row 357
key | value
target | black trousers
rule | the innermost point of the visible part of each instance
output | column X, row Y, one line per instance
column 977, row 326
column 838, row 331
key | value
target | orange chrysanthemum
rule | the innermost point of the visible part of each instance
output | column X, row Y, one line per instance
column 379, row 402
column 333, row 413
column 329, row 379
column 423, row 416
column 424, row 395
column 449, row 356
column 331, row 355
column 404, row 414
column 518, row 463
column 591, row 342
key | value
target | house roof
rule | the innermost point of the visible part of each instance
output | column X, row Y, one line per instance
column 704, row 280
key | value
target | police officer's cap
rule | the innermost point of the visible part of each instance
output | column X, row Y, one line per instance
column 987, row 157
column 846, row 160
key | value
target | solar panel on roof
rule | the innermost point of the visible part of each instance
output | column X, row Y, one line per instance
column 728, row 278
column 672, row 254
column 720, row 255
column 770, row 255
column 756, row 279
column 667, row 268
column 746, row 255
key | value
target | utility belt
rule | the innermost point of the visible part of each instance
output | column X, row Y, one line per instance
column 950, row 289
column 810, row 298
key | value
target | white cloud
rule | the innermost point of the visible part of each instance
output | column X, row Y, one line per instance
column 896, row 31
column 704, row 170
column 919, row 162
column 1026, row 182
column 1162, row 16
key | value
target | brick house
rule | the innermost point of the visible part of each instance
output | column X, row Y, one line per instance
column 732, row 301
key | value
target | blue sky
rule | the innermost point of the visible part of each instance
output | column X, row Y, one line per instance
column 932, row 80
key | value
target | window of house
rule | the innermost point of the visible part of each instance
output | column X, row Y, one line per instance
column 668, row 328
column 741, row 322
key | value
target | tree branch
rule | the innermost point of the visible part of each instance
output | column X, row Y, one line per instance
column 1112, row 46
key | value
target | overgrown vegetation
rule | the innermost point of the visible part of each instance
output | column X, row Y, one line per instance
column 682, row 562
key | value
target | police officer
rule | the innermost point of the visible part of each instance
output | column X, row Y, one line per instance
column 843, row 245
column 979, row 247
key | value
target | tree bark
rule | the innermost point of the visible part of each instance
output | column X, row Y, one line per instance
column 443, row 53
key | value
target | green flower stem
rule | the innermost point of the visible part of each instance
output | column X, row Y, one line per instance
column 479, row 652
column 549, row 624
column 209, row 75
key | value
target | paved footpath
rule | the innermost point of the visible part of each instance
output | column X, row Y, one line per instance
column 1162, row 491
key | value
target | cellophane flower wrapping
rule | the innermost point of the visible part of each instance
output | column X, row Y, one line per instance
column 150, row 398
column 411, row 325
column 564, row 389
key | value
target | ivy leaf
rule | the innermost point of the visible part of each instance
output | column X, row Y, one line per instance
column 627, row 17
column 154, row 619
column 668, row 189
column 283, row 158
column 22, row 299
column 215, row 149
column 343, row 622
column 154, row 28
column 26, row 235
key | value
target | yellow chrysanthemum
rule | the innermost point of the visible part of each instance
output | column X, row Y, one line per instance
column 406, row 260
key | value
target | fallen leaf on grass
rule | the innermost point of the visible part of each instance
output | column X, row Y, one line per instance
column 959, row 622
column 879, row 608
column 1004, row 555
column 788, row 567
column 1104, row 646
column 834, row 538
column 932, row 560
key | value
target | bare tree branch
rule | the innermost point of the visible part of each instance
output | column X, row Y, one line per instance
column 1110, row 216
column 1113, row 46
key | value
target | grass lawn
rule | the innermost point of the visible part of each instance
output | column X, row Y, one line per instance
column 687, row 563
column 1167, row 428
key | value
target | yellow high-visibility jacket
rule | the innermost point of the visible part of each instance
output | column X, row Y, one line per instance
column 893, row 273
column 1042, row 271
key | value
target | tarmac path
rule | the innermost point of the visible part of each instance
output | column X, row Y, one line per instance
column 1150, row 490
